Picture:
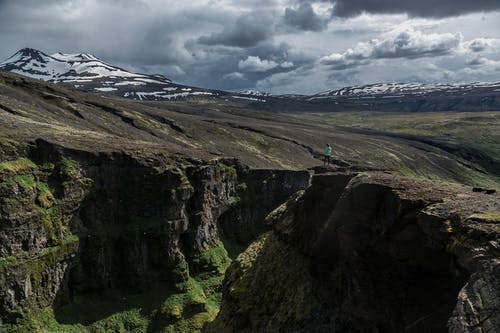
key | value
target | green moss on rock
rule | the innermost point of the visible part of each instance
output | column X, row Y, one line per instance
column 242, row 187
column 53, row 224
column 42, row 321
column 10, row 261
column 69, row 167
column 48, row 256
column 27, row 182
column 45, row 198
column 228, row 170
column 268, row 287
column 17, row 166
column 181, row 271
column 190, row 310
column 216, row 259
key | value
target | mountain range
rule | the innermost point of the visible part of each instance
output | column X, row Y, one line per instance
column 206, row 213
column 86, row 72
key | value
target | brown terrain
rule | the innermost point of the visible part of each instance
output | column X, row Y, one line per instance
column 134, row 216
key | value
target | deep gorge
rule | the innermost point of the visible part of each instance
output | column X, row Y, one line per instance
column 107, row 242
column 79, row 228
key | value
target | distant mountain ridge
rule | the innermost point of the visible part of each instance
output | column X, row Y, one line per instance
column 84, row 71
column 414, row 97
column 402, row 89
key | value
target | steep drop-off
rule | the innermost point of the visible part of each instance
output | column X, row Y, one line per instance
column 81, row 230
column 123, row 216
column 370, row 252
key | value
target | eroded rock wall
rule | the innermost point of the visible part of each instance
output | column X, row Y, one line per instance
column 371, row 252
column 37, row 248
column 79, row 223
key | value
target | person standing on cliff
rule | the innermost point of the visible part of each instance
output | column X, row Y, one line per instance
column 328, row 154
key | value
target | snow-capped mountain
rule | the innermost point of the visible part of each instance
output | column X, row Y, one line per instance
column 414, row 97
column 63, row 68
column 86, row 72
column 395, row 90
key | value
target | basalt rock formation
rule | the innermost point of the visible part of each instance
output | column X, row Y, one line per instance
column 75, row 225
column 370, row 252
column 124, row 216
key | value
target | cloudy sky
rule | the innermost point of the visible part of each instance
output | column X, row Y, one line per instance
column 281, row 46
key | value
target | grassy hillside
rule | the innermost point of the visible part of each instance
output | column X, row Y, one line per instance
column 458, row 147
column 472, row 129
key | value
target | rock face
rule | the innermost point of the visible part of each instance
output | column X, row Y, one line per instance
column 74, row 223
column 37, row 202
column 370, row 252
column 259, row 192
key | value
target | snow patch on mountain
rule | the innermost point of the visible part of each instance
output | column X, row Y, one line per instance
column 254, row 93
column 250, row 98
column 85, row 71
column 392, row 90
column 105, row 89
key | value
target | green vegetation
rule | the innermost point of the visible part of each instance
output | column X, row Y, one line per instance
column 25, row 174
column 26, row 184
column 18, row 166
column 242, row 187
column 182, row 307
column 478, row 130
column 26, row 181
column 45, row 197
column 281, row 276
column 188, row 311
column 10, row 261
column 215, row 260
column 234, row 201
column 41, row 321
column 53, row 224
column 228, row 170
column 37, row 265
column 69, row 167
column 47, row 167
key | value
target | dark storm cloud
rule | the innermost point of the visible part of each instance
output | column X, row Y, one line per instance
column 240, row 68
column 304, row 18
column 235, row 44
column 421, row 8
column 133, row 31
column 248, row 30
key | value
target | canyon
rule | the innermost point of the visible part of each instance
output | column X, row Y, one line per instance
column 189, row 216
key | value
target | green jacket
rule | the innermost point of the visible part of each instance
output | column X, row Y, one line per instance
column 328, row 151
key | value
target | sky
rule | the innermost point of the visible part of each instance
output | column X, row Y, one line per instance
column 277, row 46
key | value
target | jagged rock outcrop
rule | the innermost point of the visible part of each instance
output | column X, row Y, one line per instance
column 370, row 252
column 74, row 223
column 37, row 248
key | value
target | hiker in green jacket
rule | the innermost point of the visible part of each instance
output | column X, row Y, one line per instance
column 328, row 153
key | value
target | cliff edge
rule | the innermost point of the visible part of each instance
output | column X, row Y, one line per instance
column 370, row 252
